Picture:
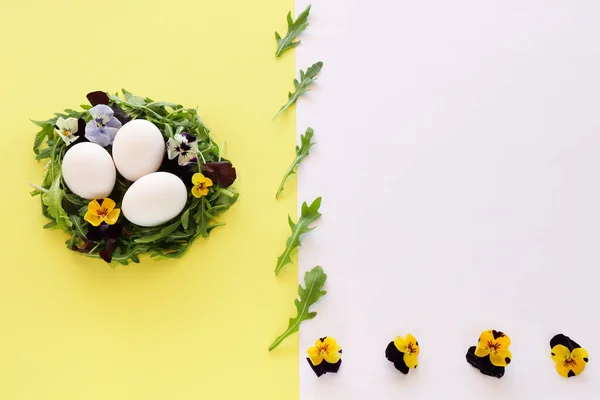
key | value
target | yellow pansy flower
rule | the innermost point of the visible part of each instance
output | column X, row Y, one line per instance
column 102, row 210
column 569, row 363
column 201, row 185
column 325, row 349
column 495, row 344
column 410, row 347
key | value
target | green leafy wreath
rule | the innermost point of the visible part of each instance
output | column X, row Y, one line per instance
column 96, row 227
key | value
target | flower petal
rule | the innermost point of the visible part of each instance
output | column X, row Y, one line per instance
column 504, row 342
column 187, row 158
column 560, row 353
column 482, row 350
column 315, row 356
column 197, row 192
column 179, row 138
column 411, row 360
column 92, row 217
column 95, row 135
column 401, row 344
column 94, row 205
column 172, row 148
column 486, row 336
column 107, row 203
column 111, row 133
column 580, row 354
column 112, row 217
column 332, row 356
column 193, row 146
column 578, row 366
column 331, row 343
column 101, row 113
column 60, row 123
column 189, row 138
column 197, row 178
column 562, row 369
column 114, row 123
column 501, row 358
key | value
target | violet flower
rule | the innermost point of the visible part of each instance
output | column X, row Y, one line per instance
column 185, row 147
column 103, row 126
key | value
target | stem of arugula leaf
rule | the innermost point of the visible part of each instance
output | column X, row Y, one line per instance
column 227, row 193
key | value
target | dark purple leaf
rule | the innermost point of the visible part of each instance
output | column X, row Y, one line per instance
column 184, row 172
column 114, row 231
column 109, row 249
column 95, row 234
column 222, row 173
column 120, row 114
column 98, row 97
column 80, row 132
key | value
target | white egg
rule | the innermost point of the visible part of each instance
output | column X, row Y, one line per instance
column 154, row 199
column 138, row 149
column 88, row 171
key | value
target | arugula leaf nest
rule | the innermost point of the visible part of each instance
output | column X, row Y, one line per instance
column 294, row 29
column 314, row 280
column 301, row 153
column 65, row 210
column 308, row 215
column 306, row 80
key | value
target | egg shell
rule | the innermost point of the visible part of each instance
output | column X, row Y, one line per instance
column 89, row 171
column 138, row 149
column 154, row 199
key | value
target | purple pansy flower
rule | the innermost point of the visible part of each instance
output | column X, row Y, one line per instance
column 185, row 146
column 103, row 127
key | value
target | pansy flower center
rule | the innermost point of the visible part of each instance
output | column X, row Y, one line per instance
column 66, row 132
column 184, row 147
column 323, row 349
column 493, row 346
column 569, row 362
column 99, row 122
column 411, row 348
column 102, row 212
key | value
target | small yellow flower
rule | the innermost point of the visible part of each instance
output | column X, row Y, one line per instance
column 201, row 185
column 495, row 344
column 410, row 347
column 102, row 210
column 569, row 363
column 325, row 349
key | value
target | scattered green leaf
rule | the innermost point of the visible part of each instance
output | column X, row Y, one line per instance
column 306, row 79
column 301, row 153
column 294, row 29
column 314, row 280
column 309, row 214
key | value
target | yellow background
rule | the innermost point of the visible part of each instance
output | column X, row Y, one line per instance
column 195, row 328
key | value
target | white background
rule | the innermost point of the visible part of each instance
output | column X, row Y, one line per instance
column 458, row 158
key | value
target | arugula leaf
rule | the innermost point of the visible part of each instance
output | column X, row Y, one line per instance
column 47, row 133
column 314, row 280
column 306, row 79
column 164, row 232
column 53, row 200
column 294, row 29
column 307, row 217
column 301, row 153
